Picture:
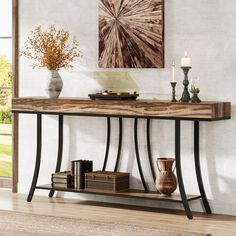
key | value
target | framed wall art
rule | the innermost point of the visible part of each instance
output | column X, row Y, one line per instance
column 131, row 33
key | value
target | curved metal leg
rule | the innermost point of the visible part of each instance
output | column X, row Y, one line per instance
column 38, row 158
column 198, row 168
column 60, row 148
column 137, row 153
column 119, row 145
column 179, row 171
column 108, row 143
column 149, row 150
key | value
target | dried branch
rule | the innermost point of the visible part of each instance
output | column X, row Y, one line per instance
column 52, row 48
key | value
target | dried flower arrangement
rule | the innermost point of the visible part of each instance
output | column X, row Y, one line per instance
column 52, row 48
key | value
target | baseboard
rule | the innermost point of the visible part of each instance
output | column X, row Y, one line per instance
column 5, row 182
column 226, row 208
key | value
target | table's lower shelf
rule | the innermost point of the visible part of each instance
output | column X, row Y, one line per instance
column 139, row 194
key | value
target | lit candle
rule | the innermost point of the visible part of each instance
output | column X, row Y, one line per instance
column 173, row 71
column 186, row 61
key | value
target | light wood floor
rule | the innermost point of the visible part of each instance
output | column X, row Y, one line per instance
column 162, row 219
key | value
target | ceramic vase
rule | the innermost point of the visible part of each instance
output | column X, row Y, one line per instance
column 54, row 84
column 166, row 182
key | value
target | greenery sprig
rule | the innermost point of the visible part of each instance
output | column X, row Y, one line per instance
column 194, row 89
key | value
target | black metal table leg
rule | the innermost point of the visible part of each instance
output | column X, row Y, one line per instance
column 198, row 168
column 149, row 150
column 137, row 154
column 108, row 143
column 179, row 171
column 119, row 145
column 38, row 158
column 60, row 148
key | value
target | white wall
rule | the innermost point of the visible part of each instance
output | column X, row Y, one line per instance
column 206, row 29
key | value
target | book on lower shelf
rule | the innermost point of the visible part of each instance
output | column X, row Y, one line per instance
column 74, row 178
column 79, row 168
column 62, row 179
column 62, row 175
column 61, row 185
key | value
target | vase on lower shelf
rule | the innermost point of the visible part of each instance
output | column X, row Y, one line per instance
column 166, row 182
column 54, row 84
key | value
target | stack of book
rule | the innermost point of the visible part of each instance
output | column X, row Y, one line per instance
column 62, row 179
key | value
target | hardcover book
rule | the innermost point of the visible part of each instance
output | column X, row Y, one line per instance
column 79, row 168
column 63, row 175
column 61, row 185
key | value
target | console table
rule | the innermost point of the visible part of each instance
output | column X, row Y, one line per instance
column 139, row 109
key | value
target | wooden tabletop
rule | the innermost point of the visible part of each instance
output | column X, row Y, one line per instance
column 150, row 108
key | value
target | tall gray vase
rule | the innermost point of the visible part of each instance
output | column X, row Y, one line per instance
column 54, row 84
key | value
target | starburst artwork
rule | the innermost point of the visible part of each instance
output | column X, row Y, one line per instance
column 131, row 34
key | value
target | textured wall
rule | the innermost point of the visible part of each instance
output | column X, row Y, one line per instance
column 206, row 29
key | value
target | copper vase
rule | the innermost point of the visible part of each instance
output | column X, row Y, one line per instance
column 166, row 182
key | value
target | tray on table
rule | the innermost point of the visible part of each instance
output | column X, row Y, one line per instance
column 114, row 96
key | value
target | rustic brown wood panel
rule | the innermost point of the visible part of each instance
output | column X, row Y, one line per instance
column 131, row 193
column 140, row 108
column 131, row 33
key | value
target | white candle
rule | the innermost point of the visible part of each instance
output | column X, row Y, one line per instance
column 173, row 71
column 186, row 61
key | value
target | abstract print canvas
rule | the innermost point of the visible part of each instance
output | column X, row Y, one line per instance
column 131, row 34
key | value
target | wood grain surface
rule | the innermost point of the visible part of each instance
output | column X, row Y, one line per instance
column 217, row 225
column 131, row 193
column 131, row 34
column 139, row 108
